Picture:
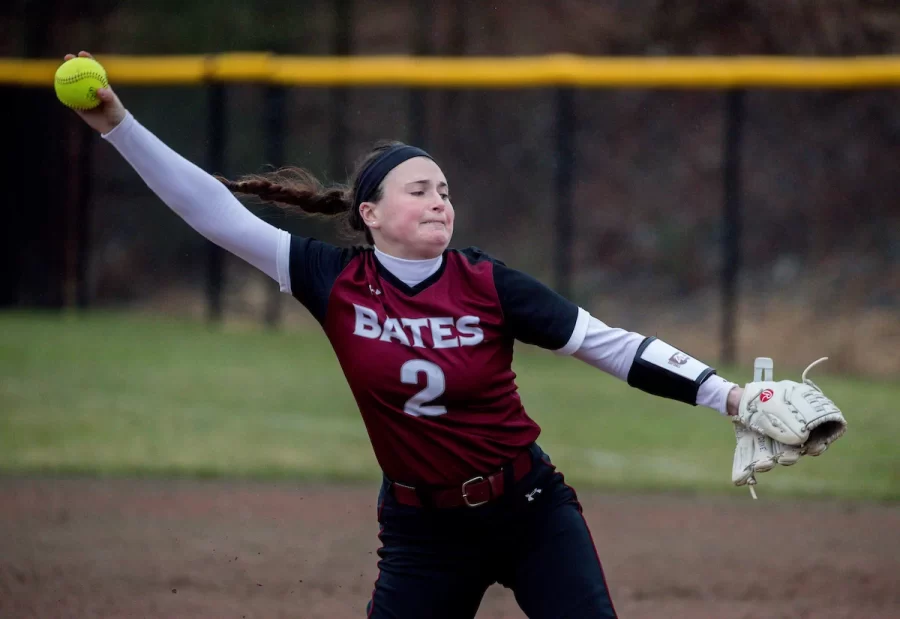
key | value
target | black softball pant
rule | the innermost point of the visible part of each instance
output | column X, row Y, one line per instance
column 437, row 563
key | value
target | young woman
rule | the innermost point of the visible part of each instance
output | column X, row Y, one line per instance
column 424, row 335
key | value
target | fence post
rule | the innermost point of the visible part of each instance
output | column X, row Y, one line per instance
column 731, row 221
column 564, row 173
column 16, row 219
column 77, row 215
column 342, row 45
column 216, row 139
column 423, row 27
column 274, row 131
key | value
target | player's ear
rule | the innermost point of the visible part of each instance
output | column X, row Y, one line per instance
column 369, row 214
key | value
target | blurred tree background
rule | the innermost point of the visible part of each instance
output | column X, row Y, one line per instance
column 820, row 187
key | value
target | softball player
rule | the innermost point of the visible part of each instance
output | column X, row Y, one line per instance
column 424, row 335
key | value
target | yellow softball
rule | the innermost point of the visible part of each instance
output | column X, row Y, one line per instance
column 77, row 81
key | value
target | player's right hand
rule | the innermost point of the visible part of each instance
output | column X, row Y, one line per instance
column 106, row 116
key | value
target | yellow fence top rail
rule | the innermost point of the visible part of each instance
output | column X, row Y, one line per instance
column 480, row 72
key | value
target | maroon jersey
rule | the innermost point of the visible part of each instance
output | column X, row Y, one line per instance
column 430, row 365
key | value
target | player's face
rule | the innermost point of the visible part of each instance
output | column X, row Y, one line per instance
column 414, row 218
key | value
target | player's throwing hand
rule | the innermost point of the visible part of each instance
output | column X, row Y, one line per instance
column 106, row 116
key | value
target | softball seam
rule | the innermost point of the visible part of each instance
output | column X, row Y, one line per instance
column 79, row 76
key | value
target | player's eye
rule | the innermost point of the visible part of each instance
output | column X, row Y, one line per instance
column 445, row 196
column 418, row 193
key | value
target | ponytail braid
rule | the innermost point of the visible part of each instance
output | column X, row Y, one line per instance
column 298, row 191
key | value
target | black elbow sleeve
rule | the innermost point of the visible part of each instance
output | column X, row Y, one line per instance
column 665, row 371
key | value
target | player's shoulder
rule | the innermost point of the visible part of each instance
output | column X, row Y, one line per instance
column 307, row 248
column 358, row 251
column 475, row 255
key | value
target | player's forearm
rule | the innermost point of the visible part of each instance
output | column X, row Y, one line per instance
column 198, row 198
column 614, row 351
column 189, row 191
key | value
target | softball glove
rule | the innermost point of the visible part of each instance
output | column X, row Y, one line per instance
column 793, row 414
column 758, row 453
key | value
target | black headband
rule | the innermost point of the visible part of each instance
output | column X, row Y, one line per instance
column 375, row 172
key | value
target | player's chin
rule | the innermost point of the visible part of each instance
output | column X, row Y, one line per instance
column 436, row 234
column 435, row 240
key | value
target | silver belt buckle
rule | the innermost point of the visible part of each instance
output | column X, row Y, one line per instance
column 466, row 496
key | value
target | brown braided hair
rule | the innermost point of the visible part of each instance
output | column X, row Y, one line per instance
column 298, row 192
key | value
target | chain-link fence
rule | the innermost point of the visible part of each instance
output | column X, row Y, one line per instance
column 815, row 178
column 820, row 233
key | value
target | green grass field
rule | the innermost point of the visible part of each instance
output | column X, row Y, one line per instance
column 113, row 394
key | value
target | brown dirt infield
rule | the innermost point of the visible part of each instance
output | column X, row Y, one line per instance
column 124, row 548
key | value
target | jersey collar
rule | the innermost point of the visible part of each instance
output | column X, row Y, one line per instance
column 410, row 276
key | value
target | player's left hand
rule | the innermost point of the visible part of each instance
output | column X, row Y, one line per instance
column 795, row 414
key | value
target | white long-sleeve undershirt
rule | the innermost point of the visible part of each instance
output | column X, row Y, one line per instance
column 203, row 202
column 213, row 211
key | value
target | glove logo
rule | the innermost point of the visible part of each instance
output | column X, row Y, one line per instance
column 766, row 395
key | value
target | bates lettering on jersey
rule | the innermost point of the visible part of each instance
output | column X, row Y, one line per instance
column 437, row 332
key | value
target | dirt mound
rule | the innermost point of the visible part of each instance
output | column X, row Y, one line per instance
column 89, row 548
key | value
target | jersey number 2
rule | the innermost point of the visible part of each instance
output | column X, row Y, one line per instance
column 434, row 387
